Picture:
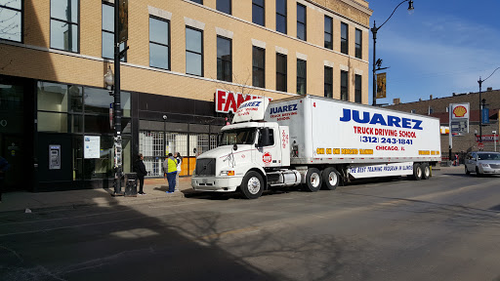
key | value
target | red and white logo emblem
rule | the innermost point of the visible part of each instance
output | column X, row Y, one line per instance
column 284, row 138
column 267, row 158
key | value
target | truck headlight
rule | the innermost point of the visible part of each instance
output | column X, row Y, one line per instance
column 227, row 173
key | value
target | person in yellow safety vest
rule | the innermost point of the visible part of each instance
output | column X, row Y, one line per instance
column 170, row 168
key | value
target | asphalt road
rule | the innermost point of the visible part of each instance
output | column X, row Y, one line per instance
column 445, row 228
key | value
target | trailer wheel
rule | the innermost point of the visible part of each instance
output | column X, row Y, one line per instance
column 313, row 180
column 417, row 171
column 252, row 185
column 331, row 178
column 426, row 171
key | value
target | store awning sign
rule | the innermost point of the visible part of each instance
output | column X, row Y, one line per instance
column 226, row 101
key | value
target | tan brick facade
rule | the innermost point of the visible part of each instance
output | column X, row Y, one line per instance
column 59, row 98
column 35, row 59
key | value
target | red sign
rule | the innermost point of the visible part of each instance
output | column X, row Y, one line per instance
column 267, row 158
column 480, row 145
column 226, row 101
column 487, row 138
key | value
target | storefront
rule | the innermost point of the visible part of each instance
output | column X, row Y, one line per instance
column 170, row 125
column 59, row 136
column 16, row 131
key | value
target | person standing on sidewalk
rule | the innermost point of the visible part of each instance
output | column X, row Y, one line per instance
column 4, row 167
column 178, row 158
column 140, row 170
column 170, row 168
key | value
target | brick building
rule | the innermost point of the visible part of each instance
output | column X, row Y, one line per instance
column 191, row 61
column 438, row 107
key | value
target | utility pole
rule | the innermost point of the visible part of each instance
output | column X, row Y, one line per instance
column 120, row 35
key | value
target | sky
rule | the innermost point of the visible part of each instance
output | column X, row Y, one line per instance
column 442, row 48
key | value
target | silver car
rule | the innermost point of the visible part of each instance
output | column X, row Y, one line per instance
column 482, row 162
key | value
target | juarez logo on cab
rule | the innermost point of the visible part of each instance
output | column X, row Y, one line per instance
column 284, row 108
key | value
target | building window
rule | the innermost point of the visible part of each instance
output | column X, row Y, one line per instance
column 78, row 111
column 357, row 88
column 359, row 36
column 301, row 22
column 159, row 43
column 194, row 51
column 281, row 72
column 11, row 20
column 328, row 33
column 281, row 16
column 224, row 6
column 108, row 27
column 344, row 94
column 224, row 59
column 64, row 25
column 258, row 12
column 301, row 77
column 328, row 82
column 198, row 1
column 344, row 38
column 258, row 67
column 430, row 110
column 413, row 111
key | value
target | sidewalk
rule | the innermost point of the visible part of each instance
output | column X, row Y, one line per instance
column 154, row 189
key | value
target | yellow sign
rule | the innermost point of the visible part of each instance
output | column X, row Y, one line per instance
column 381, row 85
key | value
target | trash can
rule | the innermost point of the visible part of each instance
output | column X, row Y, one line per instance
column 131, row 184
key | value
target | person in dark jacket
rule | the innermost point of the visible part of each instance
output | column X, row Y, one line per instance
column 140, row 170
column 4, row 167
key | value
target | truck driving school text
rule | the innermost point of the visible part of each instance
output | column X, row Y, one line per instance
column 283, row 112
column 401, row 131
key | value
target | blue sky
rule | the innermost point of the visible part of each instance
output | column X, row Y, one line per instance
column 443, row 47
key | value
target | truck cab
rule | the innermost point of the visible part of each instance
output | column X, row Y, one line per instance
column 248, row 150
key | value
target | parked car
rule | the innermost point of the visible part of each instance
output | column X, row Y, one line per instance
column 482, row 162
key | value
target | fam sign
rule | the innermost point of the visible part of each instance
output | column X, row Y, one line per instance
column 226, row 101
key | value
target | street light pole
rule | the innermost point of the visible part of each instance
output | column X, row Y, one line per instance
column 117, row 106
column 165, row 136
column 480, row 82
column 374, row 31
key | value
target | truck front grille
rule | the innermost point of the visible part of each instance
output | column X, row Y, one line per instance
column 205, row 167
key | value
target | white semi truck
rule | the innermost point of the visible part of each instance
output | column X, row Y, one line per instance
column 315, row 142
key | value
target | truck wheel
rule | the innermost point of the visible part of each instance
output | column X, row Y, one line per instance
column 426, row 171
column 331, row 178
column 252, row 185
column 417, row 171
column 313, row 180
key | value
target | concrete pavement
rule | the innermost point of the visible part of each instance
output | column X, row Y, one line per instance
column 154, row 188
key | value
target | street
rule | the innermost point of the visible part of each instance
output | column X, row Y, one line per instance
column 444, row 228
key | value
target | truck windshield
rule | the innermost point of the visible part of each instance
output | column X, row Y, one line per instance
column 238, row 136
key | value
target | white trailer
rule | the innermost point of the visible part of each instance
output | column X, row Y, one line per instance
column 316, row 142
